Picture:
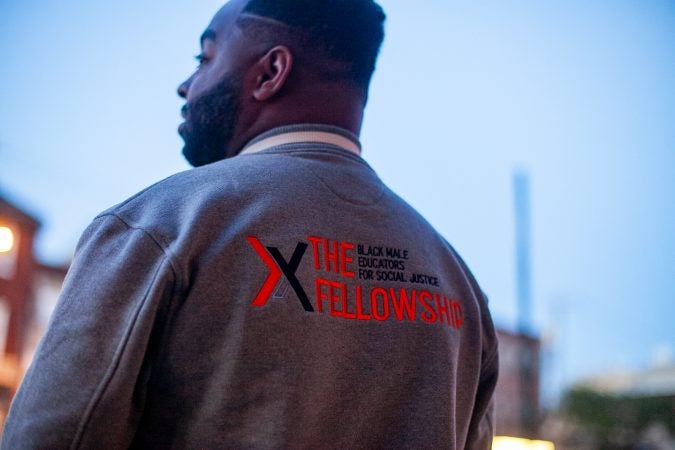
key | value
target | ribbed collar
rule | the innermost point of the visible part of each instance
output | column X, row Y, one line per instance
column 304, row 133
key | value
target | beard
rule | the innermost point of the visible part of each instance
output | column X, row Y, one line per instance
column 210, row 121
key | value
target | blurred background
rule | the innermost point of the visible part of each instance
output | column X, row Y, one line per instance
column 537, row 137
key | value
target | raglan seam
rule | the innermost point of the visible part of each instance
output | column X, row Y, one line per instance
column 102, row 386
column 168, row 254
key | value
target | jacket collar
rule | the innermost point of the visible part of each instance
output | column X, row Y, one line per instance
column 304, row 133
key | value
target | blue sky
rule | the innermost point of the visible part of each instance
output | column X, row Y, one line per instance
column 580, row 94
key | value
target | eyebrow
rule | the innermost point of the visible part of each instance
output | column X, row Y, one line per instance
column 209, row 34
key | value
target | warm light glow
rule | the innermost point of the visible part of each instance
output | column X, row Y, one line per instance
column 510, row 443
column 6, row 240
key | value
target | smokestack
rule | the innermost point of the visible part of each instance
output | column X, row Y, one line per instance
column 529, row 399
column 523, row 266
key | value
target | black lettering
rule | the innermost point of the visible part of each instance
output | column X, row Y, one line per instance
column 290, row 268
column 390, row 276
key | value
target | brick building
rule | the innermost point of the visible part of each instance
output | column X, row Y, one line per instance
column 17, row 271
column 517, row 398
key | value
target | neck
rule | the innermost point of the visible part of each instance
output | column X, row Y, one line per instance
column 306, row 106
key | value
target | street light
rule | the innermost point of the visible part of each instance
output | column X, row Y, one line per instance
column 6, row 239
column 511, row 443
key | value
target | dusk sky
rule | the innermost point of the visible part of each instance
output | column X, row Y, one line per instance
column 580, row 94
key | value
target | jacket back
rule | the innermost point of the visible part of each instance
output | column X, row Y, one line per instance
column 284, row 299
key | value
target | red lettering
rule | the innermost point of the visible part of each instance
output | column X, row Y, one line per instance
column 359, row 306
column 443, row 308
column 272, row 279
column 315, row 247
column 403, row 302
column 345, row 308
column 334, row 298
column 346, row 259
column 331, row 256
column 430, row 315
column 374, row 306
column 320, row 294
column 336, row 255
column 457, row 310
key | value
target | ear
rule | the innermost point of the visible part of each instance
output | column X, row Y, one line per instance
column 274, row 69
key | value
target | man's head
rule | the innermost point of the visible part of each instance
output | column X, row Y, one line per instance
column 267, row 63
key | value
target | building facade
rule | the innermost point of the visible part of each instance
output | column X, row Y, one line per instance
column 517, row 398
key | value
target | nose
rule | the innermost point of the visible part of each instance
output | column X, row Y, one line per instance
column 183, row 88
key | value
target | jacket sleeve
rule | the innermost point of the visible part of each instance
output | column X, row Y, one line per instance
column 482, row 428
column 86, row 385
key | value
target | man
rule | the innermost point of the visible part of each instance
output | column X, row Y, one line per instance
column 277, row 296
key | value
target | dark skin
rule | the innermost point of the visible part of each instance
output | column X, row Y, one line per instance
column 274, row 91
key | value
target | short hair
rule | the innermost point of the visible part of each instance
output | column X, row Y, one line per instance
column 336, row 39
